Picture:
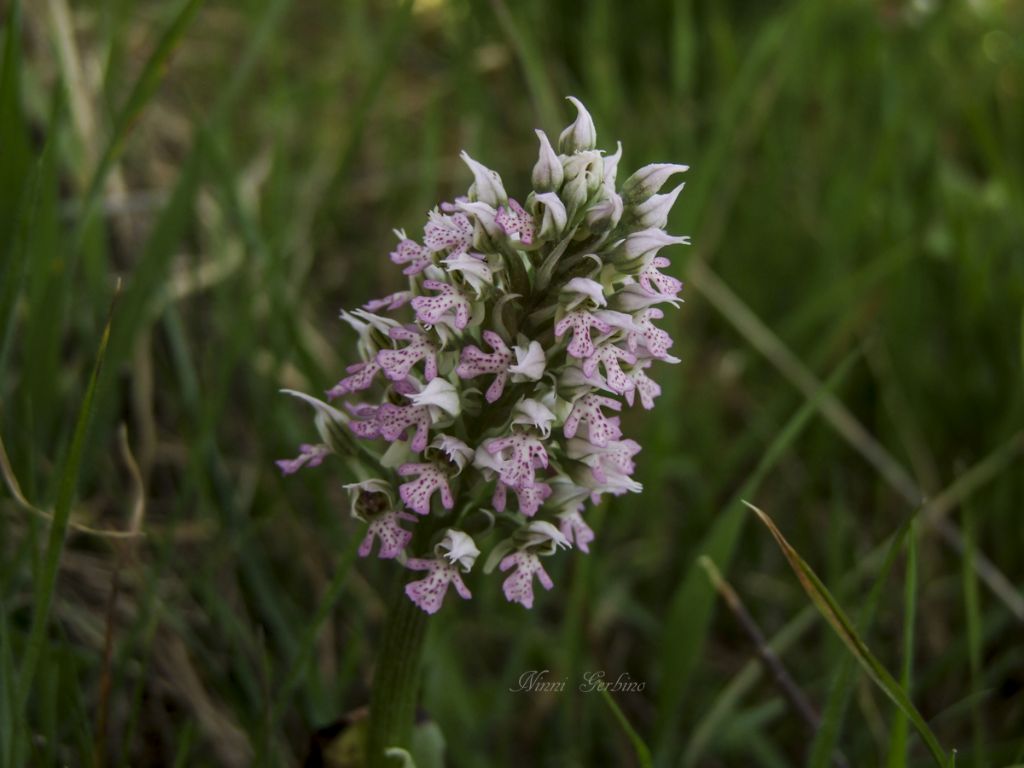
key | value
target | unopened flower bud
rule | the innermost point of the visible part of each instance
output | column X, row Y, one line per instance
column 487, row 186
column 611, row 167
column 648, row 180
column 581, row 134
column 653, row 212
column 553, row 216
column 605, row 214
column 639, row 247
column 547, row 173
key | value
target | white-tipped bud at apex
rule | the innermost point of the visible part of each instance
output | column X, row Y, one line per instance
column 584, row 172
column 553, row 216
column 581, row 134
column 648, row 180
column 640, row 246
column 605, row 214
column 611, row 167
column 547, row 173
column 487, row 186
column 654, row 211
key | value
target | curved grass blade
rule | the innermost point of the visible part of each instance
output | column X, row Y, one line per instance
column 691, row 610
column 898, row 733
column 46, row 580
column 643, row 754
column 843, row 627
column 834, row 715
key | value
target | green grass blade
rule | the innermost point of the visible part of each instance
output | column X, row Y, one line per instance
column 843, row 627
column 972, row 611
column 826, row 740
column 47, row 579
column 12, row 277
column 8, row 694
column 898, row 734
column 141, row 94
column 14, row 149
column 643, row 753
column 689, row 618
column 30, row 224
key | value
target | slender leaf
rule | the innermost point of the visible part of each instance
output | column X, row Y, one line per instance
column 898, row 732
column 643, row 753
column 827, row 739
column 689, row 617
column 844, row 628
column 46, row 580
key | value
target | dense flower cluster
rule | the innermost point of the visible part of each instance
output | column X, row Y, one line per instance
column 496, row 376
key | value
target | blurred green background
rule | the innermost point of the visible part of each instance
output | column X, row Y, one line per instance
column 856, row 202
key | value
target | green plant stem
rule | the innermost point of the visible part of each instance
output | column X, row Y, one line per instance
column 396, row 678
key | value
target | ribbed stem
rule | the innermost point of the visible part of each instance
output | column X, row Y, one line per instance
column 396, row 678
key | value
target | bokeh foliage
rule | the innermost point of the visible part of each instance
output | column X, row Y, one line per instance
column 857, row 187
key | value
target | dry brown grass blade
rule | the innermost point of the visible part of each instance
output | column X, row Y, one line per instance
column 11, row 481
column 793, row 693
column 126, row 553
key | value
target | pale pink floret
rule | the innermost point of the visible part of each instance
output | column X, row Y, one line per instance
column 397, row 363
column 389, row 302
column 361, row 376
column 581, row 322
column 530, row 497
column 309, row 456
column 517, row 457
column 646, row 387
column 475, row 362
column 515, row 222
column 412, row 253
column 394, row 420
column 615, row 457
column 645, row 333
column 432, row 309
column 587, row 409
column 428, row 593
column 417, row 493
column 609, row 356
column 518, row 587
column 452, row 233
column 393, row 537
column 656, row 283
column 576, row 530
column 364, row 424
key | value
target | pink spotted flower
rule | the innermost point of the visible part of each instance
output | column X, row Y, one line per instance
column 486, row 392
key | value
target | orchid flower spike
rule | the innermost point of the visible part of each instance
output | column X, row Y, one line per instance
column 491, row 381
